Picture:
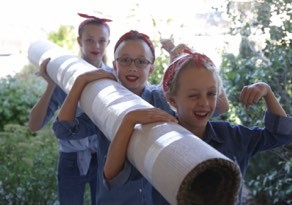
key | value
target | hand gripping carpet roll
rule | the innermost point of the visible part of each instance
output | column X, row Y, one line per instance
column 183, row 168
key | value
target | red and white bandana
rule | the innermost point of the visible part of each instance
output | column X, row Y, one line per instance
column 201, row 60
column 132, row 35
column 91, row 19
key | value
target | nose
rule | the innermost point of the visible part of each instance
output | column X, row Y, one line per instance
column 203, row 101
column 97, row 44
column 132, row 67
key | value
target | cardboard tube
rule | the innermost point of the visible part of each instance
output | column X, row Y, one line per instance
column 183, row 168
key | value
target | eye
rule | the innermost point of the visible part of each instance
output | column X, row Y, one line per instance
column 212, row 94
column 142, row 61
column 102, row 41
column 89, row 40
column 125, row 60
column 193, row 95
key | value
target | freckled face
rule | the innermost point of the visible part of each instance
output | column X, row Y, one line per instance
column 196, row 98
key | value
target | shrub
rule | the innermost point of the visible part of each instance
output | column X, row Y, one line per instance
column 18, row 94
column 27, row 166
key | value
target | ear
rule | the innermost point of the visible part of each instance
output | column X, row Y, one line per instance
column 171, row 101
column 79, row 40
column 115, row 66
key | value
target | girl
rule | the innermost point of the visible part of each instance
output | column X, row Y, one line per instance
column 77, row 164
column 134, row 56
column 192, row 86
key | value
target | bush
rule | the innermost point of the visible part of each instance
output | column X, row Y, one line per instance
column 18, row 94
column 269, row 175
column 276, row 182
column 28, row 166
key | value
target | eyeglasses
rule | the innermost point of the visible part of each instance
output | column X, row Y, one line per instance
column 139, row 62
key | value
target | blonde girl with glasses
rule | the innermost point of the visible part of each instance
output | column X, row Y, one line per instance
column 119, row 182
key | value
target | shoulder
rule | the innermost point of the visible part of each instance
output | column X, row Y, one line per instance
column 155, row 96
column 155, row 90
column 107, row 68
column 222, row 125
column 223, row 128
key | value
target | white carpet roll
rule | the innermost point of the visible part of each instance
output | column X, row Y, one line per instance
column 183, row 168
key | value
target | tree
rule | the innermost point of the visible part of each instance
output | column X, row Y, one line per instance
column 64, row 37
column 264, row 55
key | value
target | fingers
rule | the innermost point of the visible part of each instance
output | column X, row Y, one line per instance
column 178, row 51
column 167, row 44
column 102, row 74
column 43, row 67
column 151, row 115
column 251, row 94
column 44, row 64
column 158, row 115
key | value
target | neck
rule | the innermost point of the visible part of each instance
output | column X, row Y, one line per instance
column 96, row 63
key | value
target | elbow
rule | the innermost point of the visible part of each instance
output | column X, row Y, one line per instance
column 222, row 106
column 110, row 171
column 109, row 174
column 59, row 132
column 33, row 127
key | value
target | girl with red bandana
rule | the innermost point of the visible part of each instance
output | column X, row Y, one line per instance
column 77, row 165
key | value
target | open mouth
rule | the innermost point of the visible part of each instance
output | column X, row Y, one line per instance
column 201, row 114
column 131, row 78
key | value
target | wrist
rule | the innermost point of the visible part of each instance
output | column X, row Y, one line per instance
column 130, row 119
column 51, row 85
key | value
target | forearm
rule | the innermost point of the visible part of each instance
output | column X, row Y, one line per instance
column 117, row 151
column 69, row 107
column 70, row 104
column 273, row 105
column 39, row 111
column 118, row 148
column 222, row 105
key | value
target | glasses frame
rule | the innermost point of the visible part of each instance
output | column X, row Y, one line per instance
column 135, row 60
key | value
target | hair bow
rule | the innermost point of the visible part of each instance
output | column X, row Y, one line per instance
column 94, row 17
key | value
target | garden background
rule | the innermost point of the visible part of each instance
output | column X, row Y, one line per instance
column 263, row 33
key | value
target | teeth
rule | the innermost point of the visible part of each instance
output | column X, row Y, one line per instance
column 131, row 77
column 201, row 113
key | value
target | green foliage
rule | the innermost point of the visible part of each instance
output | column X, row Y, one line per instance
column 18, row 94
column 269, row 175
column 277, row 182
column 28, row 161
column 161, row 60
column 161, row 63
column 27, row 166
column 64, row 37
